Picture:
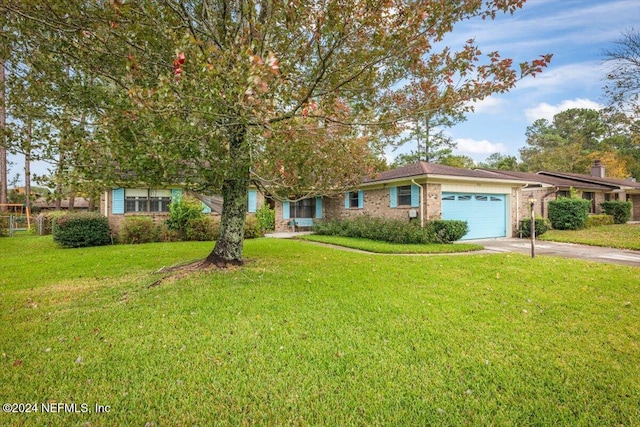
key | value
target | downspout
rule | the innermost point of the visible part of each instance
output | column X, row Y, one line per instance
column 413, row 181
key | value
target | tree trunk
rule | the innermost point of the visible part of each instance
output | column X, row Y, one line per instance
column 3, row 149
column 228, row 248
column 27, row 169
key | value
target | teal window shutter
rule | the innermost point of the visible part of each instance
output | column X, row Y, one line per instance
column 319, row 207
column 393, row 197
column 415, row 196
column 176, row 194
column 285, row 210
column 253, row 201
column 117, row 201
column 346, row 200
column 360, row 199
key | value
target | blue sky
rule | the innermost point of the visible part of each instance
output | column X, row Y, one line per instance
column 575, row 31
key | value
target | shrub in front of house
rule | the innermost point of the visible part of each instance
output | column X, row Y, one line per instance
column 168, row 235
column 448, row 231
column 204, row 228
column 598, row 220
column 569, row 214
column 252, row 228
column 139, row 229
column 393, row 230
column 621, row 211
column 78, row 230
column 266, row 218
column 183, row 210
column 542, row 226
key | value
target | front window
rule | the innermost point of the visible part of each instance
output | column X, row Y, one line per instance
column 159, row 200
column 354, row 199
column 145, row 200
column 404, row 195
column 135, row 200
column 305, row 208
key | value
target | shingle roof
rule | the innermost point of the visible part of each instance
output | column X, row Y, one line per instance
column 425, row 168
column 606, row 181
column 556, row 181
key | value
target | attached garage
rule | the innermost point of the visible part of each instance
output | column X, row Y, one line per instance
column 486, row 214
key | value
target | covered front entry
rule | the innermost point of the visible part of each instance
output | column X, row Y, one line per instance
column 485, row 213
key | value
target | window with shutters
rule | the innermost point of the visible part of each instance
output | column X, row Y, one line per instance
column 305, row 208
column 146, row 200
column 354, row 199
column 404, row 195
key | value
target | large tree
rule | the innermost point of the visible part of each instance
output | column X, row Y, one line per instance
column 293, row 96
column 574, row 139
column 623, row 93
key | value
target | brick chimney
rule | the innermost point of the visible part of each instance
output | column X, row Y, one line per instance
column 597, row 170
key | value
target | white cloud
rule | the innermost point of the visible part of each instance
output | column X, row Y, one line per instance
column 478, row 150
column 547, row 111
column 490, row 105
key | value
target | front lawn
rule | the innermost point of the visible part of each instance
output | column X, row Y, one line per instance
column 391, row 248
column 310, row 335
column 623, row 236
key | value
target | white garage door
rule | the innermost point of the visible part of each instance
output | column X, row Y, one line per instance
column 485, row 213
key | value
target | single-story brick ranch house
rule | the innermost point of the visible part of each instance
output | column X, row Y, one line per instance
column 492, row 202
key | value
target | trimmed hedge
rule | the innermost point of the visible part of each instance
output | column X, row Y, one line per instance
column 393, row 230
column 598, row 220
column 621, row 211
column 204, row 228
column 569, row 214
column 252, row 228
column 542, row 226
column 78, row 230
column 139, row 229
column 448, row 231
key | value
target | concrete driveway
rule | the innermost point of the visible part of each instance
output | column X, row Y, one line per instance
column 523, row 246
column 565, row 250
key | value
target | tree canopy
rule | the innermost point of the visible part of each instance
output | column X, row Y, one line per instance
column 574, row 139
column 296, row 97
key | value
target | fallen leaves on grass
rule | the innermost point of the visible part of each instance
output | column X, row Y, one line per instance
column 172, row 274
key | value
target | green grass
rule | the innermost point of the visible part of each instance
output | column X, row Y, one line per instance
column 310, row 335
column 623, row 236
column 391, row 248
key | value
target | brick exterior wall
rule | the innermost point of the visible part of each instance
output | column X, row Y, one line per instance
column 116, row 220
column 377, row 203
column 635, row 211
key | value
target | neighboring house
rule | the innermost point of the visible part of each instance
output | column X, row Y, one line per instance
column 42, row 204
column 420, row 192
column 119, row 203
column 595, row 187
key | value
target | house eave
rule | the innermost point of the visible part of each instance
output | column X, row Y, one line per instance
column 433, row 178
